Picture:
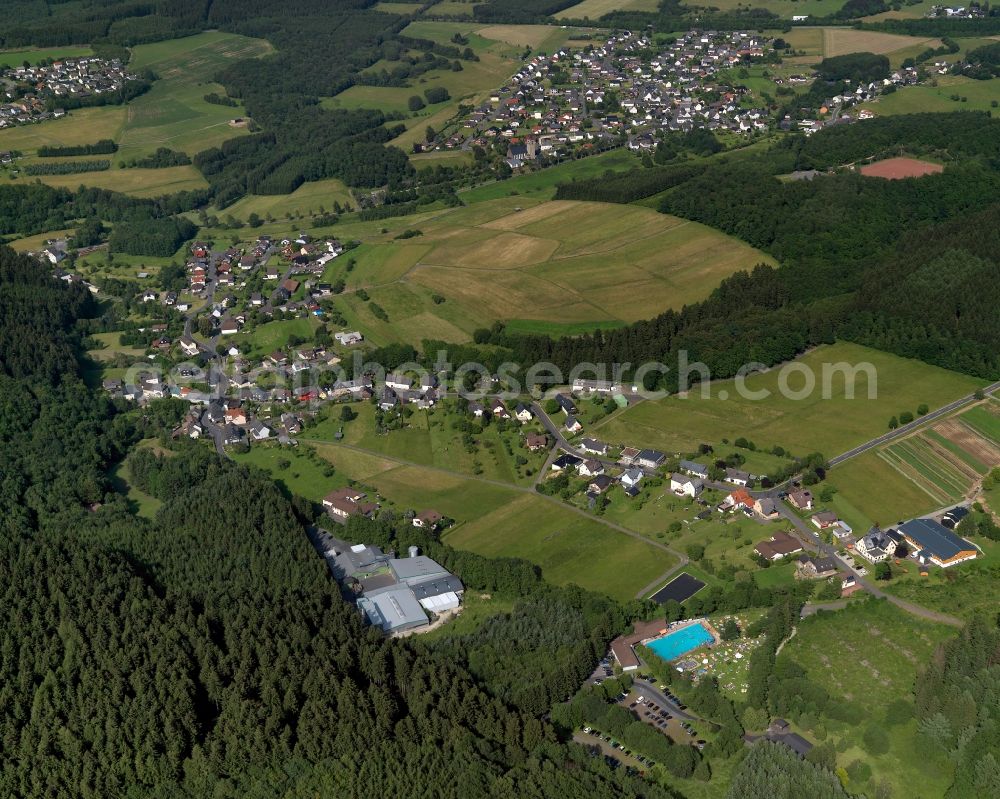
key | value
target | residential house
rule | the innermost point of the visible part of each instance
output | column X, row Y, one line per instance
column 536, row 441
column 427, row 519
column 565, row 461
column 694, row 469
column 813, row 568
column 628, row 456
column 349, row 338
column 188, row 346
column 259, row 431
column 229, row 326
column 499, row 410
column 803, row 500
column 590, row 468
column 566, row 405
column 573, row 424
column 398, row 381
column 685, row 486
column 650, row 459
column 779, row 546
column 523, row 413
column 736, row 477
column 766, row 508
column 876, row 546
column 737, row 500
column 824, row 519
column 599, row 484
column 631, row 478
column 593, row 447
column 345, row 502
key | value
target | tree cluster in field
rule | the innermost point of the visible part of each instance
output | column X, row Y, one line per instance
column 102, row 147
column 67, row 167
column 983, row 62
column 162, row 158
column 144, row 236
column 220, row 99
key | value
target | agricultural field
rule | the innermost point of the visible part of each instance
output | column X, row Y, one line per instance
column 840, row 41
column 542, row 184
column 980, row 95
column 568, row 547
column 830, row 426
column 554, row 262
column 877, row 645
column 14, row 58
column 171, row 114
column 938, row 466
column 595, row 9
column 492, row 519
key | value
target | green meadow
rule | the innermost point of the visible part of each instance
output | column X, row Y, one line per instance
column 15, row 58
column 811, row 424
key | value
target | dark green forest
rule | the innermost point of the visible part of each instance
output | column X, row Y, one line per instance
column 207, row 652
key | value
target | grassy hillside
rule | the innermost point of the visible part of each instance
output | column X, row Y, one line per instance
column 829, row 426
column 561, row 263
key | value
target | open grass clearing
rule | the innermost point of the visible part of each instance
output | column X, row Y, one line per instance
column 595, row 9
column 926, row 97
column 875, row 643
column 308, row 199
column 11, row 59
column 830, row 426
column 568, row 547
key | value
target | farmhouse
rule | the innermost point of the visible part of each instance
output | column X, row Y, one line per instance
column 936, row 543
column 780, row 546
column 686, row 486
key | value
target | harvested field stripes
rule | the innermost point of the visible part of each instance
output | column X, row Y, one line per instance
column 940, row 440
column 931, row 469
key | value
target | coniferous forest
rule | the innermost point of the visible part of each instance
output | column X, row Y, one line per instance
column 207, row 652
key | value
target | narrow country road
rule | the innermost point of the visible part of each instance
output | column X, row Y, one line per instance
column 903, row 430
column 825, row 549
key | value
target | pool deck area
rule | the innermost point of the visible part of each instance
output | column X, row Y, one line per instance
column 643, row 633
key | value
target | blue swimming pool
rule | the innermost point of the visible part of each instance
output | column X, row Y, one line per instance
column 679, row 643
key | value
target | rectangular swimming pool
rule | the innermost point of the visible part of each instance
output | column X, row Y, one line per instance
column 675, row 644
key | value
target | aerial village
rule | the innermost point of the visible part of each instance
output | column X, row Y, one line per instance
column 628, row 91
column 34, row 93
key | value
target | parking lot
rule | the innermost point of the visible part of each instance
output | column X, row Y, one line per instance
column 649, row 709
